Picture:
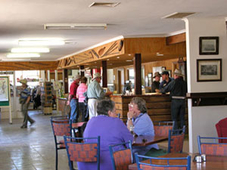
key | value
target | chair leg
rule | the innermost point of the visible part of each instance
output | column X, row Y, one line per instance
column 56, row 159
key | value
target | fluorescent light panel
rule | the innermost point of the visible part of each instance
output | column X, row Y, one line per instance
column 41, row 42
column 23, row 55
column 75, row 26
column 30, row 50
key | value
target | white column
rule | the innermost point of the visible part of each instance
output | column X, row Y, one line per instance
column 202, row 119
column 48, row 75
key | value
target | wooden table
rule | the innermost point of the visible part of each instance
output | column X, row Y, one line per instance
column 212, row 163
column 148, row 140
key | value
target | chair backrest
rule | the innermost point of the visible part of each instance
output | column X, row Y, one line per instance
column 86, row 151
column 210, row 146
column 162, row 128
column 121, row 155
column 157, row 163
column 176, row 140
column 221, row 128
column 60, row 128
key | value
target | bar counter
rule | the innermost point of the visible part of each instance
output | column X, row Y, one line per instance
column 158, row 105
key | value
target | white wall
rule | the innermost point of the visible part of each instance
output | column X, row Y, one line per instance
column 202, row 119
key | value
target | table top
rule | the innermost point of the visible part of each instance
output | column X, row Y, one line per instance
column 148, row 140
column 212, row 163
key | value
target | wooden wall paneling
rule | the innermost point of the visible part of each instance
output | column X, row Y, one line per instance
column 31, row 65
column 176, row 39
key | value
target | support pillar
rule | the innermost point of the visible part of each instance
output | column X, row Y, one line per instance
column 104, row 73
column 82, row 72
column 65, row 81
column 137, row 70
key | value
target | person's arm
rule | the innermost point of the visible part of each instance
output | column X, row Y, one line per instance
column 69, row 99
column 28, row 100
column 99, row 91
column 168, row 88
column 130, row 115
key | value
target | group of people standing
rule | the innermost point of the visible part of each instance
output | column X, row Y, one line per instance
column 177, row 89
column 84, row 98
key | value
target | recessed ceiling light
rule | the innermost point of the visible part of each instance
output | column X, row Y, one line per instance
column 128, row 60
column 104, row 4
column 108, row 59
column 41, row 42
column 159, row 54
column 23, row 55
column 30, row 50
column 75, row 26
column 118, row 57
column 129, row 54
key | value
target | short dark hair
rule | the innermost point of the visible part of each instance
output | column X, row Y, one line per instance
column 141, row 103
column 104, row 106
column 165, row 72
column 83, row 80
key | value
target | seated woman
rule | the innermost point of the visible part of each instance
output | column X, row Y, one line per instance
column 111, row 131
column 141, row 123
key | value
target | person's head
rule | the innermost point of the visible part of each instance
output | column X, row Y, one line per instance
column 177, row 73
column 106, row 107
column 77, row 78
column 157, row 76
column 24, row 83
column 138, row 105
column 83, row 80
column 165, row 75
column 97, row 77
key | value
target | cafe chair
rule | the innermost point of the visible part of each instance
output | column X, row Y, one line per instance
column 86, row 151
column 221, row 128
column 60, row 128
column 176, row 140
column 121, row 155
column 161, row 128
column 158, row 163
column 211, row 146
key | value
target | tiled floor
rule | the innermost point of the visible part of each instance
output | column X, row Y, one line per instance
column 31, row 148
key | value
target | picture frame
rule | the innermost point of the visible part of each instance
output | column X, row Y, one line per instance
column 208, row 45
column 209, row 70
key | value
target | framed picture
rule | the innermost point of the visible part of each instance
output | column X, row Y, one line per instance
column 208, row 45
column 209, row 70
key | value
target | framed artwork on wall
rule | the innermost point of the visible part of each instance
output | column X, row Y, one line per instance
column 208, row 45
column 209, row 70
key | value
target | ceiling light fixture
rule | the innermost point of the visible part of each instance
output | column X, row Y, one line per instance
column 23, row 55
column 75, row 26
column 30, row 50
column 104, row 4
column 41, row 42
column 178, row 15
column 159, row 54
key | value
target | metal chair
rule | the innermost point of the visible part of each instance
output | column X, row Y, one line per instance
column 221, row 128
column 161, row 128
column 60, row 127
column 86, row 151
column 121, row 155
column 176, row 140
column 211, row 146
column 154, row 163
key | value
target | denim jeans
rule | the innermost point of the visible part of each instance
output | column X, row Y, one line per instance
column 178, row 113
column 74, row 110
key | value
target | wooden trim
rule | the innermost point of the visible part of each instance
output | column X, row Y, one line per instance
column 206, row 95
column 176, row 39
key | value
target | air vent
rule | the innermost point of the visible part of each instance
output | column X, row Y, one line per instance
column 75, row 26
column 104, row 4
column 178, row 15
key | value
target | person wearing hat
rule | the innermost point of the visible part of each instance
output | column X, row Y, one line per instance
column 94, row 93
column 177, row 89
column 156, row 82
column 24, row 100
column 165, row 79
column 72, row 99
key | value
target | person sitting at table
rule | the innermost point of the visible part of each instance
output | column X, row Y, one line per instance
column 140, row 122
column 111, row 131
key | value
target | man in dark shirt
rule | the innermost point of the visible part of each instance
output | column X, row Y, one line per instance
column 156, row 83
column 177, row 89
column 165, row 79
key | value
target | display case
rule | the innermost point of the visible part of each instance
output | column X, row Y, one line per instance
column 46, row 98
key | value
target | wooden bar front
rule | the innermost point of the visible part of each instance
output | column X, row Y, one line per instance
column 158, row 105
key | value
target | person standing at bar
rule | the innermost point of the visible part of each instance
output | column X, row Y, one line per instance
column 72, row 100
column 24, row 100
column 156, row 83
column 165, row 79
column 177, row 89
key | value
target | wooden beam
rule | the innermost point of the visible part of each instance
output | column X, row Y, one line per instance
column 176, row 39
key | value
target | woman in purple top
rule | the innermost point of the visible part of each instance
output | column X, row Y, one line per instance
column 111, row 131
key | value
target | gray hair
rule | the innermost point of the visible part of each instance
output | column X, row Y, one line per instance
column 141, row 103
column 104, row 106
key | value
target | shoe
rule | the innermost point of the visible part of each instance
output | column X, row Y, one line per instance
column 23, row 126
column 32, row 123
